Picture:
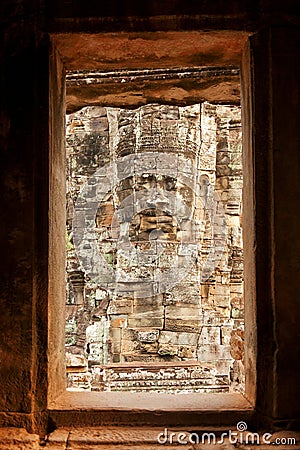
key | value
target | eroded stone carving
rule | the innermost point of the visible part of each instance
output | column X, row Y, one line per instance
column 190, row 325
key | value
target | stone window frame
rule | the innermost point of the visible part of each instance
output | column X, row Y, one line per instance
column 75, row 408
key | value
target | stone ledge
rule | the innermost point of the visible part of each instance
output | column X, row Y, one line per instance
column 127, row 438
column 58, row 439
column 18, row 438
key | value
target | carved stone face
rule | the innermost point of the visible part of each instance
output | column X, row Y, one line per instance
column 157, row 193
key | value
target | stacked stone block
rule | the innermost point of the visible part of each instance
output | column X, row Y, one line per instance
column 194, row 320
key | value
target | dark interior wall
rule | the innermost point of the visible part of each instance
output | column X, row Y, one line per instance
column 118, row 8
column 24, row 206
column 23, row 210
column 286, row 241
column 272, row 134
column 154, row 15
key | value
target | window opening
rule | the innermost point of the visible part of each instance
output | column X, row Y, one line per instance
column 154, row 249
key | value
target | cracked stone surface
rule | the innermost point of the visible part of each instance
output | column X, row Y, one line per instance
column 164, row 163
column 130, row 438
column 157, row 156
column 18, row 439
